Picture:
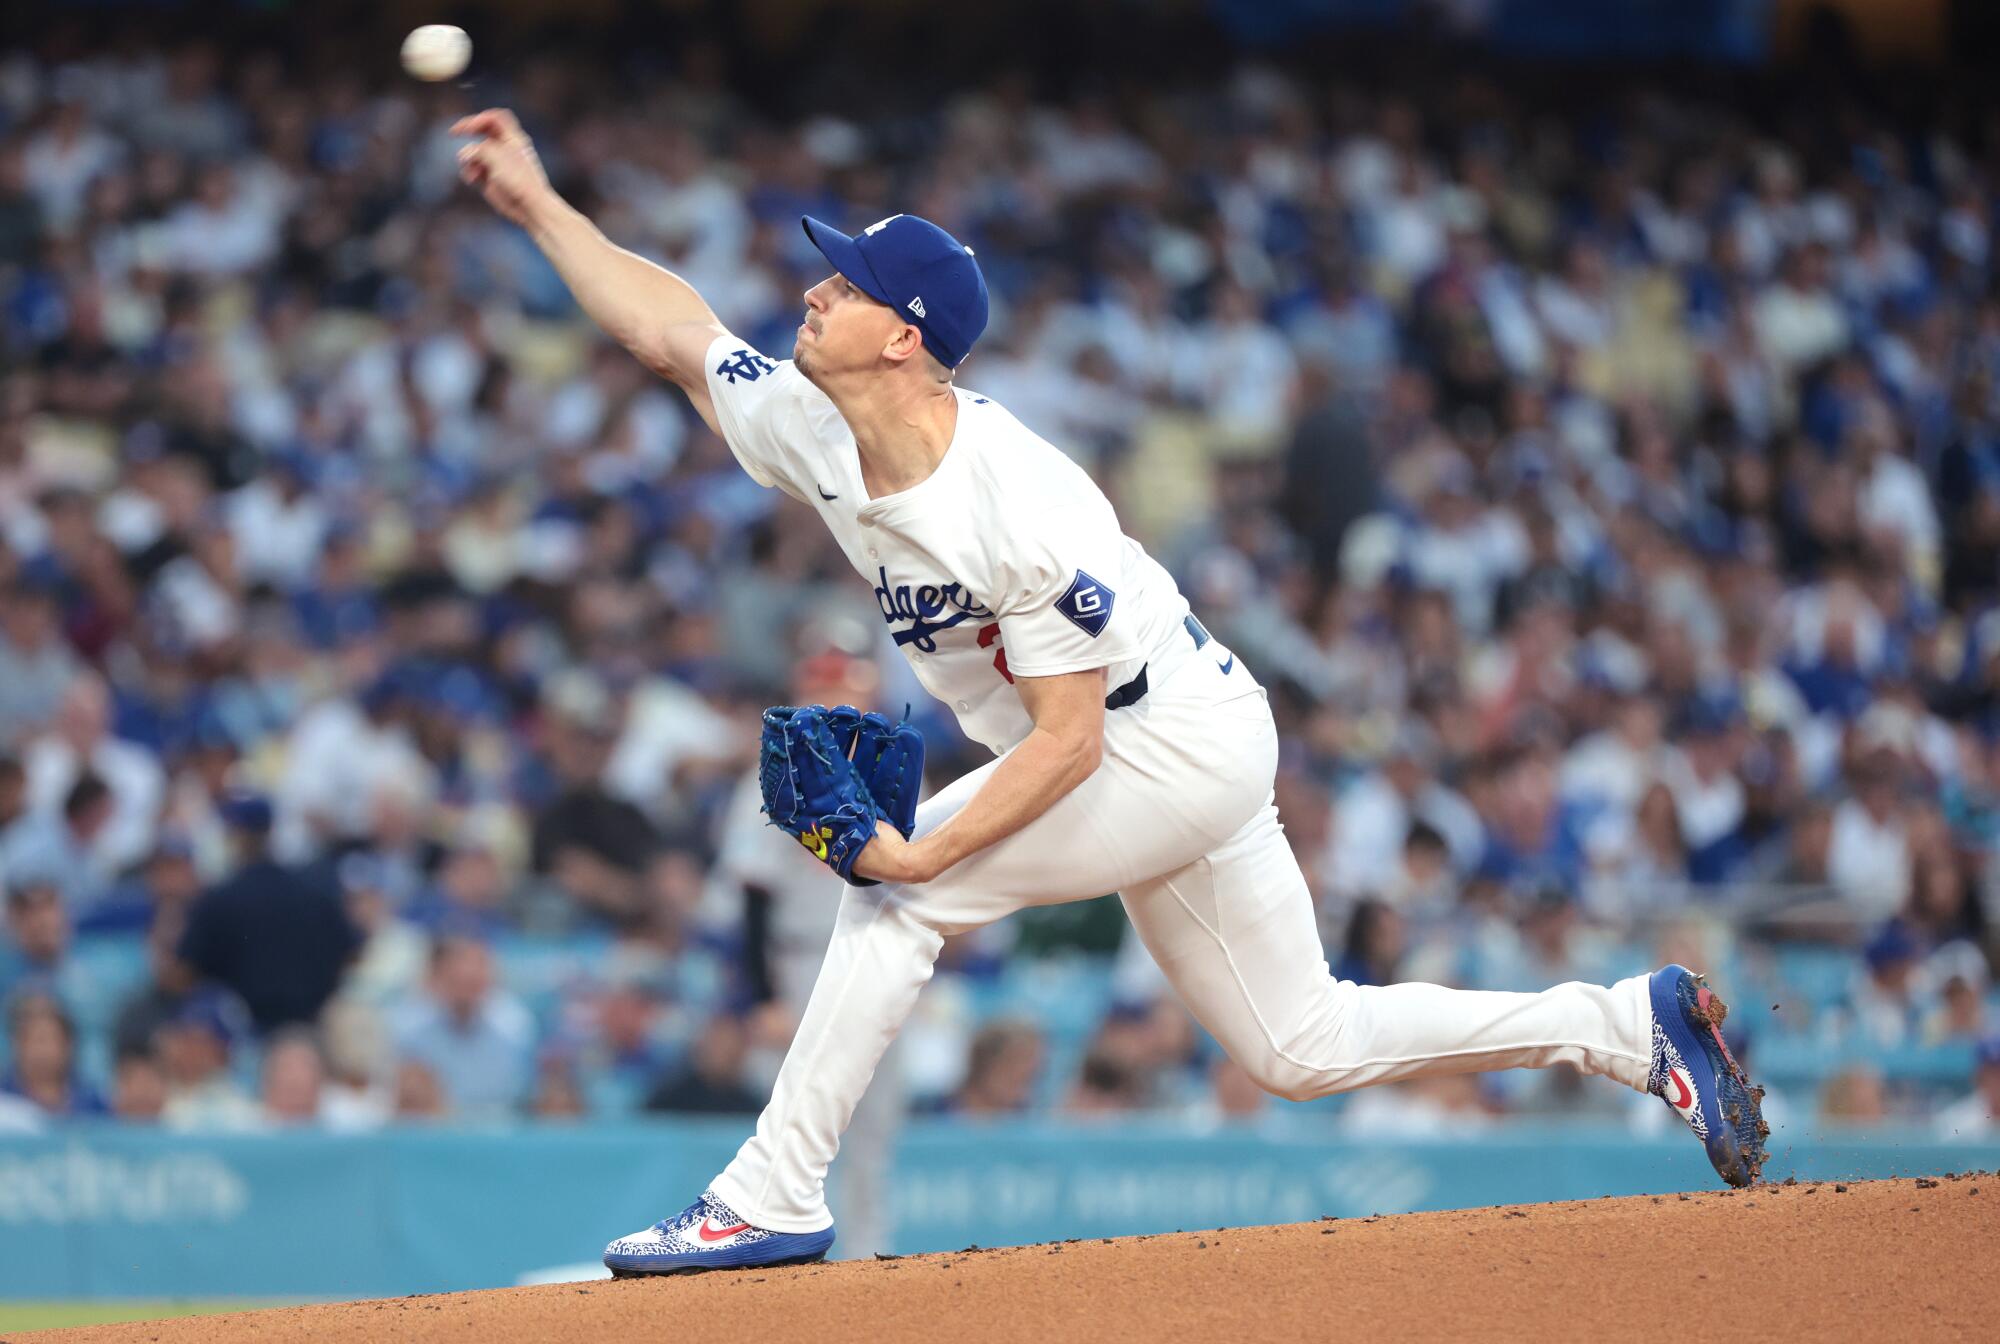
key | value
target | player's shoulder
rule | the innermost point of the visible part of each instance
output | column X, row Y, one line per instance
column 1016, row 461
column 1036, row 504
column 735, row 362
column 745, row 375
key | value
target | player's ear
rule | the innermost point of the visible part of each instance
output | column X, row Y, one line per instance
column 907, row 343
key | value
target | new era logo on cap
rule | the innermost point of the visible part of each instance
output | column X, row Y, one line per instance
column 913, row 266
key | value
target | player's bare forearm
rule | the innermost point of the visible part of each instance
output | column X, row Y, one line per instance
column 1062, row 751
column 646, row 308
column 1029, row 782
column 637, row 303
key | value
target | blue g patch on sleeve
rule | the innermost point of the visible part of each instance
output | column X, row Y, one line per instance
column 1087, row 604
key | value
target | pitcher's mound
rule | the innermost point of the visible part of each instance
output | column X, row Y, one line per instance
column 1867, row 1260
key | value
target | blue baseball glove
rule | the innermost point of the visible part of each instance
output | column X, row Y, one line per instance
column 890, row 760
column 819, row 769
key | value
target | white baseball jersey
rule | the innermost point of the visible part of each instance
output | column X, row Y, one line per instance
column 1006, row 561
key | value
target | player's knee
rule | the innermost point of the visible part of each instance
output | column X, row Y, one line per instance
column 1284, row 1077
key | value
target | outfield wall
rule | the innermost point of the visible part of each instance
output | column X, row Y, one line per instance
column 109, row 1212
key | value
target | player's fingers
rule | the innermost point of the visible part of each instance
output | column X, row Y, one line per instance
column 507, row 127
column 472, row 163
column 495, row 123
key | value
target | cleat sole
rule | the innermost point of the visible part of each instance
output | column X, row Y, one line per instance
column 617, row 1273
column 1712, row 1011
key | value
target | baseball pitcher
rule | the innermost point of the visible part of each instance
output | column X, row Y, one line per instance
column 1133, row 753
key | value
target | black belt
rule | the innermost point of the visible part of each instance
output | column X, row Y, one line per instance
column 1133, row 691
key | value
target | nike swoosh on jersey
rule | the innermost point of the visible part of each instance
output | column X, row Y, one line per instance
column 822, row 491
column 1228, row 665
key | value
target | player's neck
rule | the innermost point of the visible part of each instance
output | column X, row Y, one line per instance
column 900, row 433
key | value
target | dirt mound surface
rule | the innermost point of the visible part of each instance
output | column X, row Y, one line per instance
column 1867, row 1260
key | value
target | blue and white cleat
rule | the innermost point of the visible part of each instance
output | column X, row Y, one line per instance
column 1701, row 1082
column 708, row 1234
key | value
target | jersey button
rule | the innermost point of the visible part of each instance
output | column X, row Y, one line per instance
column 963, row 705
column 874, row 554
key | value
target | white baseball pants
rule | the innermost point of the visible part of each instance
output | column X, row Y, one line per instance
column 1178, row 818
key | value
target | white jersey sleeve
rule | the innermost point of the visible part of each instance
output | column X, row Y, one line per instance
column 761, row 405
column 1060, row 611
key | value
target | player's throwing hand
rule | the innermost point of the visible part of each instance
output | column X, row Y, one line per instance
column 502, row 164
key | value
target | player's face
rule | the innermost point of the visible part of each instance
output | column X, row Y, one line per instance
column 844, row 329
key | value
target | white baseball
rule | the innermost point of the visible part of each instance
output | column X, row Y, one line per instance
column 436, row 51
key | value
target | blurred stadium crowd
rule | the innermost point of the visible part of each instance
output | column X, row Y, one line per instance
column 1610, row 499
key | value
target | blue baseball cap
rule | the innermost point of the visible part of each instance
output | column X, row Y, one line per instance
column 925, row 274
